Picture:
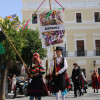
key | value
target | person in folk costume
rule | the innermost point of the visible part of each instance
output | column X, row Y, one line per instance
column 36, row 86
column 67, row 82
column 76, row 78
column 82, row 81
column 95, row 83
column 49, row 80
column 59, row 73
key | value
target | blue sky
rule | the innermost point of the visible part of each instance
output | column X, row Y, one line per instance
column 10, row 7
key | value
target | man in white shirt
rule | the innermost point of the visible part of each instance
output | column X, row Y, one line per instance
column 59, row 70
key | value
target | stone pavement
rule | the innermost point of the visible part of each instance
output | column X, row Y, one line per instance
column 69, row 96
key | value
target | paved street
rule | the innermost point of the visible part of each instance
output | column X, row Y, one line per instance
column 89, row 96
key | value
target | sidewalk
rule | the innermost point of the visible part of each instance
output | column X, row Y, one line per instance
column 70, row 96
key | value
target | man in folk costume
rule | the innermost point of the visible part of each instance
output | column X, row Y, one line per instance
column 36, row 86
column 59, row 73
column 76, row 78
column 95, row 83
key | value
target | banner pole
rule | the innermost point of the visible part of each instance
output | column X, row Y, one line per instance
column 54, row 58
column 14, row 48
column 50, row 4
column 53, row 45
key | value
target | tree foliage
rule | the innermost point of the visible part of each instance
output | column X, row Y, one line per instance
column 33, row 45
column 26, row 42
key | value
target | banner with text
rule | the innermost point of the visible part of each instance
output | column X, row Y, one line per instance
column 51, row 28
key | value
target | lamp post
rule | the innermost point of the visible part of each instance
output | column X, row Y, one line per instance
column 94, row 63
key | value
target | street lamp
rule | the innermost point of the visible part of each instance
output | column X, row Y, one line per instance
column 94, row 63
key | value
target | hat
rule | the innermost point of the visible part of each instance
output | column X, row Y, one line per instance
column 58, row 48
column 36, row 56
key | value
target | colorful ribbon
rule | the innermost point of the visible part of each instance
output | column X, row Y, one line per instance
column 60, row 4
column 50, row 12
column 26, row 24
column 33, row 15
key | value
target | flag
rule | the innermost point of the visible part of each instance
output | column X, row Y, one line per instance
column 14, row 18
column 14, row 15
column 2, row 50
column 8, row 17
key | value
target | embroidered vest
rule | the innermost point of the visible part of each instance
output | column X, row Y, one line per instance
column 59, row 66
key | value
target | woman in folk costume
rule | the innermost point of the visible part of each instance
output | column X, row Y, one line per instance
column 36, row 86
column 95, row 83
column 59, row 73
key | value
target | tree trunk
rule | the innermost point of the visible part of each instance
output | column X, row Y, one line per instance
column 2, row 80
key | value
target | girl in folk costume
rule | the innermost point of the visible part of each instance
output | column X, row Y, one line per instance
column 36, row 86
column 59, row 73
column 95, row 83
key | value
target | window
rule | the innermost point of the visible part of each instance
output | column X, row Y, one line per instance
column 97, row 16
column 34, row 19
column 78, row 18
column 80, row 48
column 97, row 51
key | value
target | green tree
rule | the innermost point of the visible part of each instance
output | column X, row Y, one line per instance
column 19, row 42
column 26, row 42
column 33, row 45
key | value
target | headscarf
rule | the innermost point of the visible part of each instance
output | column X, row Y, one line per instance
column 36, row 56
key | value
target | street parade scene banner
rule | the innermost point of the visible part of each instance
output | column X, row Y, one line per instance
column 51, row 28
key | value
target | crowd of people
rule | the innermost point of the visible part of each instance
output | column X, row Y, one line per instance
column 57, row 79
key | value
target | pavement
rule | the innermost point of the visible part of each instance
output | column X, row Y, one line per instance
column 69, row 96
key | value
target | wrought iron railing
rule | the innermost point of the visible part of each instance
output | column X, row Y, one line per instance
column 81, row 53
column 97, row 52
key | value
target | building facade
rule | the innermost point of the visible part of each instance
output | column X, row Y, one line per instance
column 82, row 24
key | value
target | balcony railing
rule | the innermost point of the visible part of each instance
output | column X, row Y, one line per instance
column 81, row 53
column 97, row 52
column 66, row 4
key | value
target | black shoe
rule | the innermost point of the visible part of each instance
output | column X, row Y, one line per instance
column 75, row 96
column 85, row 91
column 82, row 93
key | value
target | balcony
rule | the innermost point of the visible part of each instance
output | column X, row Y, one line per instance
column 33, row 4
column 97, row 52
column 81, row 53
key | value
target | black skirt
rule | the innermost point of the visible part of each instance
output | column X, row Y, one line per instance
column 37, row 87
column 59, row 83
